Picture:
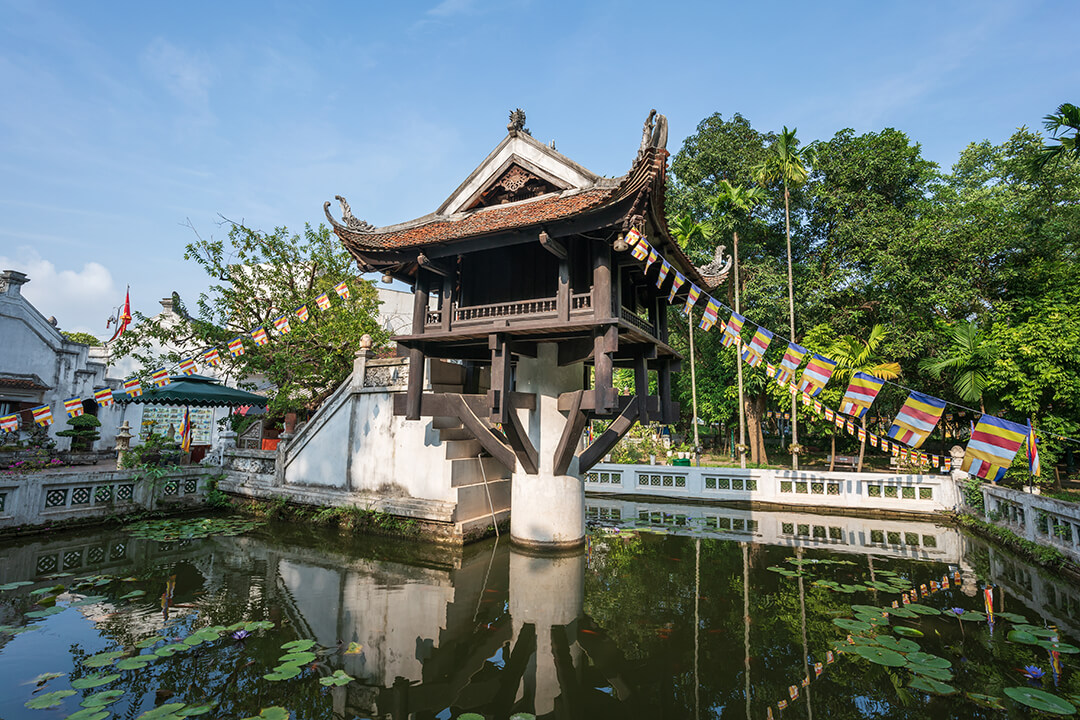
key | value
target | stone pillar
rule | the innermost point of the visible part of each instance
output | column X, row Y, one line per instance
column 959, row 477
column 547, row 592
column 123, row 443
column 547, row 511
column 279, row 458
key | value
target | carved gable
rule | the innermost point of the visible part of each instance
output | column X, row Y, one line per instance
column 516, row 183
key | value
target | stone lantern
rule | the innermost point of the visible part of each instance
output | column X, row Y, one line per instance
column 123, row 442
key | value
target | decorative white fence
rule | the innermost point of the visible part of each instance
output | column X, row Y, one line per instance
column 1040, row 519
column 842, row 490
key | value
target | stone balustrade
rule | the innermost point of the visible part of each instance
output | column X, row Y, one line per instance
column 1042, row 520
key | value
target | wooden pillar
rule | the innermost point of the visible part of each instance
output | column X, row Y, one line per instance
column 663, row 386
column 562, row 298
column 447, row 298
column 662, row 318
column 605, row 342
column 641, row 386
column 416, row 355
column 499, row 394
column 602, row 295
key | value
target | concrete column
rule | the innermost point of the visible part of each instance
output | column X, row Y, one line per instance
column 547, row 591
column 547, row 511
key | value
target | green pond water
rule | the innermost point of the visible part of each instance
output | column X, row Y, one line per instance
column 670, row 612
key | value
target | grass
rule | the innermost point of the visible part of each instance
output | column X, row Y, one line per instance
column 345, row 518
column 1044, row 555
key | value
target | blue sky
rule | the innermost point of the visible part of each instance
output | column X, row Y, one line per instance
column 122, row 121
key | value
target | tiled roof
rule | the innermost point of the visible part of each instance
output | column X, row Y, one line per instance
column 22, row 382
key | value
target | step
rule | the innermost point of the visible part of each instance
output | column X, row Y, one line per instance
column 454, row 388
column 455, row 434
column 445, row 423
column 472, row 501
column 463, row 449
column 468, row 471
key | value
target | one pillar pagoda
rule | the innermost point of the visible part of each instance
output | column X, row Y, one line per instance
column 518, row 276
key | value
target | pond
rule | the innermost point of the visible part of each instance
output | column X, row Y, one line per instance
column 670, row 612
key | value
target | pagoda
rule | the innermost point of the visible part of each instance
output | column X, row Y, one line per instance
column 522, row 278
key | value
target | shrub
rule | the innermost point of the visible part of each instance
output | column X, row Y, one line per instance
column 83, row 431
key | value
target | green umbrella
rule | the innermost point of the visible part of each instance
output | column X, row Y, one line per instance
column 195, row 391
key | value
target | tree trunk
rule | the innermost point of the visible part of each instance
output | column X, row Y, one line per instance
column 791, row 318
column 832, row 455
column 862, row 444
column 755, row 411
column 739, row 363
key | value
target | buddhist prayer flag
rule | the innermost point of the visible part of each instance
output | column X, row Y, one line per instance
column 236, row 346
column 895, row 449
column 676, row 282
column 185, row 432
column 259, row 336
column 934, row 460
column 188, row 366
column 790, row 363
column 806, row 401
column 755, row 350
column 816, row 374
column 9, row 423
column 641, row 249
column 632, row 237
column 282, row 325
column 817, row 407
column 873, row 440
column 212, row 357
column 860, row 394
column 133, row 387
column 302, row 313
column 793, row 691
column 653, row 257
column 850, row 427
column 839, row 422
column 916, row 419
column 103, row 397
column 73, row 407
column 709, row 317
column 862, row 435
column 1032, row 450
column 770, row 369
column 662, row 276
column 829, row 414
column 733, row 329
column 42, row 415
column 323, row 302
column 160, row 377
column 691, row 298
column 342, row 289
column 992, row 447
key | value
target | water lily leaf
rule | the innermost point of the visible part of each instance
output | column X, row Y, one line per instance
column 1041, row 700
column 170, row 650
column 48, row 590
column 297, row 658
column 907, row 631
column 879, row 585
column 44, row 613
column 161, row 711
column 1022, row 636
column 132, row 594
column 354, row 648
column 931, row 685
column 972, row 616
column 89, row 600
column 275, row 712
column 298, row 645
column 880, row 655
column 92, row 713
column 47, row 601
column 901, row 646
column 103, row 698
column 93, row 681
column 857, row 587
column 13, row 630
column 470, row 716
column 875, row 620
column 103, row 659
column 282, row 672
column 15, row 585
column 932, row 672
column 192, row 710
column 46, row 677
column 900, row 612
column 1011, row 617
column 259, row 625
column 338, row 678
column 193, row 640
column 928, row 660
column 1063, row 648
column 852, row 625
column 867, row 609
column 148, row 642
column 48, row 700
column 522, row 716
column 923, row 609
column 994, row 703
column 136, row 662
column 1037, row 631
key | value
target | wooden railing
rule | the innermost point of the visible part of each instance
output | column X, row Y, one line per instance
column 641, row 324
column 580, row 305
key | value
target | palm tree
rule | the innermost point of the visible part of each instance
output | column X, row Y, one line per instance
column 787, row 164
column 733, row 204
column 853, row 355
column 688, row 232
column 967, row 359
column 1065, row 121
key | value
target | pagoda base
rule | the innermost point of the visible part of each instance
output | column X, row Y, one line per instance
column 547, row 510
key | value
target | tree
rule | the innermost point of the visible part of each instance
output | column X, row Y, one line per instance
column 967, row 359
column 258, row 277
column 853, row 355
column 81, row 337
column 687, row 232
column 82, row 429
column 786, row 164
column 1059, row 125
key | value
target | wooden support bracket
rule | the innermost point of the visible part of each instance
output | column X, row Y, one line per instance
column 615, row 432
column 491, row 442
column 575, row 424
column 519, row 440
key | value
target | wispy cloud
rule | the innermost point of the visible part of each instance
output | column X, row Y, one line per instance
column 80, row 299
column 185, row 76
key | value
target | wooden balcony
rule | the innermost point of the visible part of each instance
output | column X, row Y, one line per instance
column 476, row 316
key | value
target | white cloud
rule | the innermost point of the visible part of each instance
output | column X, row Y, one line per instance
column 80, row 299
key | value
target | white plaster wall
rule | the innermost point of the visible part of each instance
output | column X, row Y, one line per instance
column 324, row 459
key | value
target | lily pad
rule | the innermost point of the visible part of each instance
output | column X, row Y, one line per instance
column 170, row 650
column 1038, row 631
column 89, row 600
column 1022, row 636
column 193, row 710
column 990, row 701
column 44, row 613
column 132, row 594
column 136, row 662
column 150, row 641
column 338, row 678
column 875, row 620
column 91, row 713
column 867, row 609
column 931, row 685
column 297, row 658
column 15, row 585
column 928, row 660
column 1041, row 700
column 103, row 698
column 93, row 681
column 161, row 711
column 1063, row 648
column 282, row 672
column 48, row 700
column 972, row 616
column 103, row 659
column 936, row 673
column 46, row 677
column 254, row 625
column 923, row 609
column 851, row 625
column 298, row 645
column 275, row 712
column 901, row 646
column 48, row 590
column 900, row 612
column 1011, row 617
column 907, row 631
column 880, row 655
column 354, row 648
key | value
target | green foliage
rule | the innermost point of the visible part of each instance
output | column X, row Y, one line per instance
column 82, row 431
column 81, row 337
column 1042, row 554
column 156, row 452
column 258, row 277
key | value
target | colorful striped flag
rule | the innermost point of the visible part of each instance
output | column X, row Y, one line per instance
column 1033, row 451
column 212, row 357
column 829, row 414
column 323, row 302
column 185, row 432
column 632, row 237
column 653, row 257
column 806, row 400
column 793, row 691
column 236, row 347
column 342, row 289
column 916, row 420
column 103, row 397
column 839, row 422
column 302, row 313
column 259, row 336
column 9, row 423
column 934, row 460
column 873, row 440
column 662, row 275
column 691, row 298
column 188, row 366
column 862, row 435
column 992, row 447
column 708, row 319
column 73, row 407
column 755, row 350
column 733, row 329
column 817, row 406
column 160, row 377
column 133, row 387
column 677, row 282
column 641, row 249
column 903, row 455
column 860, row 394
column 816, row 374
column 792, row 357
column 282, row 325
column 894, row 448
column 42, row 415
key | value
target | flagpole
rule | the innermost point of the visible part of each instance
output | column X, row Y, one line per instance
column 693, row 392
column 738, row 364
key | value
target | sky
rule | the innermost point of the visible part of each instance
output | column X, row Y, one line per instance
column 125, row 125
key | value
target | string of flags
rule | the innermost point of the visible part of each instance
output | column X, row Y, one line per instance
column 994, row 441
column 211, row 357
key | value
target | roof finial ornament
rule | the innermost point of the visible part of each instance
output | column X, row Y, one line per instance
column 647, row 132
column 351, row 221
column 517, row 122
column 716, row 272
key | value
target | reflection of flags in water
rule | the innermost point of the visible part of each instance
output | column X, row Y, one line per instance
column 185, row 432
column 9, row 423
column 236, row 346
column 790, row 363
column 860, row 394
column 103, row 397
column 160, row 377
column 212, row 357
column 793, row 691
column 755, row 350
column 1032, row 450
column 691, row 298
column 133, row 387
column 188, row 366
column 988, row 601
column 323, row 302
column 916, row 419
column 816, row 374
column 42, row 415
column 708, row 319
column 732, row 329
column 992, row 447
column 73, row 407
column 676, row 283
column 259, row 336
column 342, row 289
